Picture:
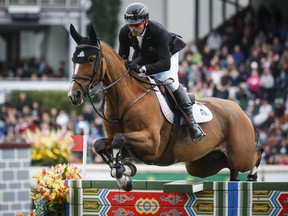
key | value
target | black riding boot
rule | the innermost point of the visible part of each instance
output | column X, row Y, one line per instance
column 196, row 133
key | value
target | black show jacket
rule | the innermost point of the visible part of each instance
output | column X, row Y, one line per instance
column 157, row 47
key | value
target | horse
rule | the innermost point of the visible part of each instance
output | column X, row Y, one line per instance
column 137, row 129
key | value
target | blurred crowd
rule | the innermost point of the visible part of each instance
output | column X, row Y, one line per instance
column 33, row 69
column 246, row 60
column 28, row 115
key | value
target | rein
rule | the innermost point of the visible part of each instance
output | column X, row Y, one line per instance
column 104, row 90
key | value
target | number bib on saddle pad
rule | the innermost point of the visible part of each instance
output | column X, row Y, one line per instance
column 200, row 112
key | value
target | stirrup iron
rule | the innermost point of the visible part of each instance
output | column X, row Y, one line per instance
column 197, row 139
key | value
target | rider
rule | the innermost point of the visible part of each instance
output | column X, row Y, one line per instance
column 155, row 50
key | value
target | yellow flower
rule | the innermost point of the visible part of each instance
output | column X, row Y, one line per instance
column 51, row 147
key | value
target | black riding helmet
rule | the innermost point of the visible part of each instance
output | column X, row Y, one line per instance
column 136, row 13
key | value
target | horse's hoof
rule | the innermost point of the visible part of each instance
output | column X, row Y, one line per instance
column 252, row 177
column 236, row 179
column 132, row 168
column 117, row 171
column 128, row 184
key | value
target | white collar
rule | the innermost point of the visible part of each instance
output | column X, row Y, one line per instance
column 142, row 34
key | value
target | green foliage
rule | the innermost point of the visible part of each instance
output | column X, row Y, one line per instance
column 104, row 17
column 41, row 207
column 45, row 208
column 47, row 100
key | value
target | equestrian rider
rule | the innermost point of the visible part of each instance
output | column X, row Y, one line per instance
column 155, row 50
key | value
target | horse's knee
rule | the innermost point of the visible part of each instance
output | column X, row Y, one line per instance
column 99, row 146
column 118, row 141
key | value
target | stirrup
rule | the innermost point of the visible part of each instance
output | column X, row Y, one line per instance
column 199, row 137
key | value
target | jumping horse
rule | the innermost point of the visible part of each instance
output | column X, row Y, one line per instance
column 136, row 127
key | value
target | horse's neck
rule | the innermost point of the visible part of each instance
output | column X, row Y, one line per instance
column 122, row 93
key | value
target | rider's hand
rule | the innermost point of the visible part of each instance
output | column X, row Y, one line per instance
column 133, row 66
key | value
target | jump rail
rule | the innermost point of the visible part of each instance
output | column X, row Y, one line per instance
column 96, row 197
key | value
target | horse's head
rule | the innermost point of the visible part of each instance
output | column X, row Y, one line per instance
column 86, row 59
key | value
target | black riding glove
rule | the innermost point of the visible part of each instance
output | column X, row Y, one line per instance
column 133, row 66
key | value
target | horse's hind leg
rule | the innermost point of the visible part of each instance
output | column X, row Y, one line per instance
column 252, row 176
column 234, row 175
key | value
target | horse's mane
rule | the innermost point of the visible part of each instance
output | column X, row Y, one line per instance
column 104, row 44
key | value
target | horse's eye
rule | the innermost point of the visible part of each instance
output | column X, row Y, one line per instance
column 91, row 59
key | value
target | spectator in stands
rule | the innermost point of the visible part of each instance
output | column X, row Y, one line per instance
column 62, row 119
column 267, row 83
column 93, row 136
column 263, row 114
column 221, row 90
column 253, row 81
column 238, row 55
column 214, row 41
column 60, row 71
column 44, row 69
column 23, row 101
column 282, row 78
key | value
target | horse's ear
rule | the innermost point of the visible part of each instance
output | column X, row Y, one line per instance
column 93, row 35
column 75, row 35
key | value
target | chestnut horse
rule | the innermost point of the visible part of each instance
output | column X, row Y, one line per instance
column 136, row 127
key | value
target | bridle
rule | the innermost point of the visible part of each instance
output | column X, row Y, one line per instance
column 77, row 77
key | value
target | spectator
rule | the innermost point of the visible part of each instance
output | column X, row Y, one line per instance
column 238, row 55
column 253, row 82
column 60, row 71
column 62, row 119
column 267, row 83
column 214, row 41
column 221, row 90
column 93, row 136
column 23, row 101
column 82, row 126
column 264, row 111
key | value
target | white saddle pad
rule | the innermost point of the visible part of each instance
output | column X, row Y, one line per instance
column 200, row 112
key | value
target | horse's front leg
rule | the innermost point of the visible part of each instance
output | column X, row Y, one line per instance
column 124, row 171
column 103, row 148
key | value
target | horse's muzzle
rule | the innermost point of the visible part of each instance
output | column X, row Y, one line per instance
column 76, row 97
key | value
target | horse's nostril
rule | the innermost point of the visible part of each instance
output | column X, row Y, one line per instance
column 78, row 94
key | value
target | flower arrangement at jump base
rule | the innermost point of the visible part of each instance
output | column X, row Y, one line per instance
column 49, row 148
column 50, row 192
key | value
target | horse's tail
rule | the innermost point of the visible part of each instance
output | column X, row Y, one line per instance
column 259, row 146
column 259, row 150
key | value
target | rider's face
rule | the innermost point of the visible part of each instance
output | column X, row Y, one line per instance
column 137, row 29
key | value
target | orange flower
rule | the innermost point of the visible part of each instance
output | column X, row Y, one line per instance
column 50, row 184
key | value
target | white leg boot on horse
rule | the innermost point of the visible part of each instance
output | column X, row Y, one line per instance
column 196, row 132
